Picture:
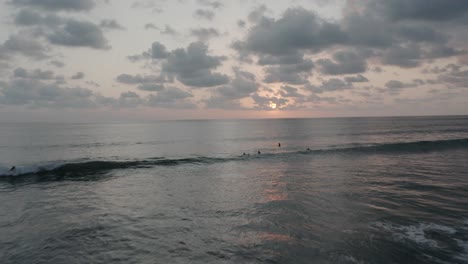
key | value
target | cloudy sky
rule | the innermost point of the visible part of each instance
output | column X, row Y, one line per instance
column 97, row 60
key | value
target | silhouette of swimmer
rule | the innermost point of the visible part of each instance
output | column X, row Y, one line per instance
column 279, row 145
column 259, row 152
column 13, row 168
column 243, row 154
column 308, row 149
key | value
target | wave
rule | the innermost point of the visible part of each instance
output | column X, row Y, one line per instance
column 83, row 167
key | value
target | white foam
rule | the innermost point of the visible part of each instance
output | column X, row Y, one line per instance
column 29, row 169
column 417, row 233
column 464, row 255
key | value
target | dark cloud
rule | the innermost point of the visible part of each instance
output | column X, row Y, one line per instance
column 395, row 87
column 288, row 91
column 151, row 87
column 288, row 59
column 454, row 78
column 344, row 62
column 57, row 64
column 35, row 74
column 78, row 76
column 331, row 85
column 27, row 17
column 35, row 93
column 403, row 56
column 289, row 73
column 56, row 5
column 158, row 51
column 139, row 79
column 79, row 34
column 356, row 79
column 23, row 44
column 151, row 26
column 128, row 100
column 204, row 14
column 243, row 85
column 204, row 34
column 171, row 97
column 297, row 29
column 368, row 30
column 227, row 97
column 193, row 66
column 110, row 24
column 435, row 10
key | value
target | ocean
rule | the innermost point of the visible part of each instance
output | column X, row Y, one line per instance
column 338, row 190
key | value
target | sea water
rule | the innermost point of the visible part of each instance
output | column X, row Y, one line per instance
column 340, row 190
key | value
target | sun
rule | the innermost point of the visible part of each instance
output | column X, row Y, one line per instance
column 272, row 105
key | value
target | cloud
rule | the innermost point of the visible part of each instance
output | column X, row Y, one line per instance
column 454, row 77
column 395, row 86
column 265, row 102
column 27, row 17
column 204, row 34
column 139, row 79
column 331, row 85
column 35, row 74
column 289, row 73
column 298, row 29
column 356, row 79
column 257, row 13
column 429, row 10
column 243, row 85
column 56, row 5
column 23, row 44
column 78, row 76
column 151, row 87
column 168, row 30
column 36, row 93
column 404, row 56
column 110, row 24
column 212, row 4
column 171, row 97
column 204, row 14
column 57, row 64
column 151, row 26
column 344, row 62
column 193, row 66
column 288, row 91
column 79, row 34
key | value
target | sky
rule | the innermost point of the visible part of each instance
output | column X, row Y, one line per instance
column 110, row 60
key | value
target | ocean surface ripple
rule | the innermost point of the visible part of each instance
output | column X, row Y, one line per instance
column 366, row 190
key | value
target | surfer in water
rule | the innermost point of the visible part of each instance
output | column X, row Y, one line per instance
column 13, row 168
column 279, row 145
column 259, row 152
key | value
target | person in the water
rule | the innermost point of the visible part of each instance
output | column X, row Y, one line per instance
column 279, row 145
column 13, row 168
column 259, row 152
column 308, row 149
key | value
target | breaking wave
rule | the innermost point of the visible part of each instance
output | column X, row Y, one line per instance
column 88, row 167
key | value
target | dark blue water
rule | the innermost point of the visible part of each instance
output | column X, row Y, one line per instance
column 368, row 190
